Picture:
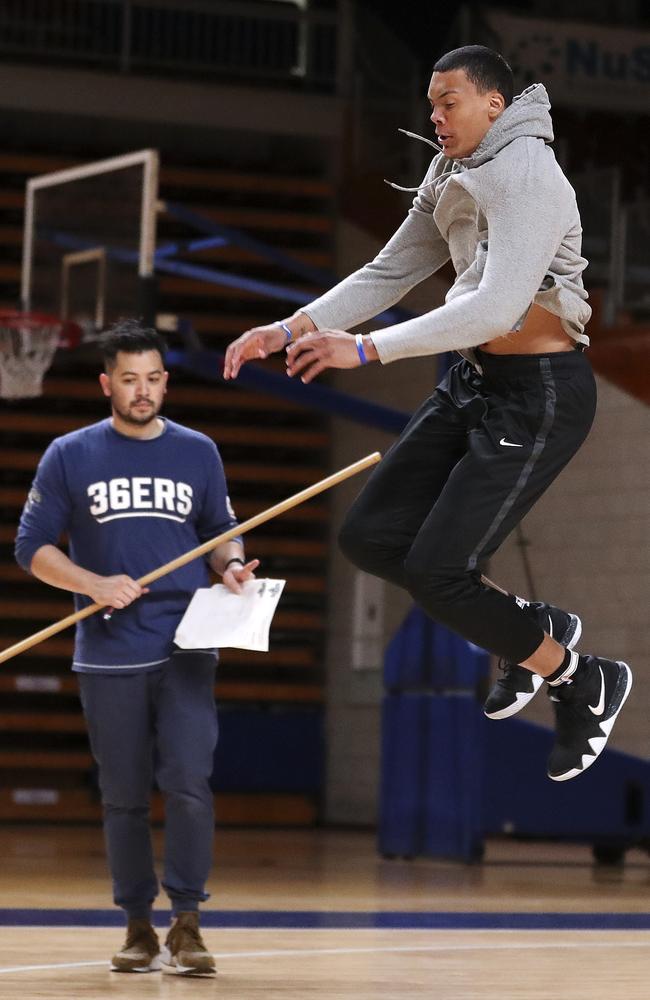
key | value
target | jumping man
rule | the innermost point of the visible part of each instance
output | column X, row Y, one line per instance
column 506, row 419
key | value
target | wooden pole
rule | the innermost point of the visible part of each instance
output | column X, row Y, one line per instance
column 200, row 550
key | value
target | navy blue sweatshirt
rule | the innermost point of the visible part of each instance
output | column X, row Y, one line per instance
column 128, row 505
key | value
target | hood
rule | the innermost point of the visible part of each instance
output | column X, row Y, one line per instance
column 528, row 115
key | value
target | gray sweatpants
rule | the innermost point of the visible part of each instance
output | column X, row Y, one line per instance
column 160, row 724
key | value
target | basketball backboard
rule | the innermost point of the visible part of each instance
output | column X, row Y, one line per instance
column 89, row 240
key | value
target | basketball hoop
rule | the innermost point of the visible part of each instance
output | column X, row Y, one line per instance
column 28, row 342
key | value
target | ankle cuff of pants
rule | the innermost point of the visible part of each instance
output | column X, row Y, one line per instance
column 139, row 912
column 184, row 906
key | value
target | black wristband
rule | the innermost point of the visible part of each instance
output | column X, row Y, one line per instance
column 234, row 559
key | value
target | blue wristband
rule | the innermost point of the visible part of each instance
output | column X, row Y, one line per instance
column 287, row 332
column 360, row 351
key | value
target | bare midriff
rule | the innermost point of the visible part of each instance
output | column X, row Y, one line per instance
column 541, row 333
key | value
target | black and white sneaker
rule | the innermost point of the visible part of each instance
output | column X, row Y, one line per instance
column 517, row 685
column 586, row 707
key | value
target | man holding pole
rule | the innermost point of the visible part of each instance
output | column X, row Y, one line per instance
column 133, row 491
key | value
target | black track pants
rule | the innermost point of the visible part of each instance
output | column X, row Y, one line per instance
column 470, row 464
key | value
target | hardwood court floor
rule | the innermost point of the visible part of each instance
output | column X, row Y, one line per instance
column 317, row 914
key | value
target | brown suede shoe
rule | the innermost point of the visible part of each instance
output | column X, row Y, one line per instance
column 141, row 950
column 184, row 953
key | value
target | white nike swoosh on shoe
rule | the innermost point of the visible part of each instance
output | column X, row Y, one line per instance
column 597, row 743
column 600, row 707
column 510, row 444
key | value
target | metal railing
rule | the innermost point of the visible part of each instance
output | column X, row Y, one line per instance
column 345, row 51
column 252, row 40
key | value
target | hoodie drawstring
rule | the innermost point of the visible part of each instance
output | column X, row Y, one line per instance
column 429, row 142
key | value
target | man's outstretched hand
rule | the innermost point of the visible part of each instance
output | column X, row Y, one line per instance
column 312, row 353
column 256, row 343
column 264, row 340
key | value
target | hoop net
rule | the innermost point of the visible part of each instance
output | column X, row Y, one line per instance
column 28, row 342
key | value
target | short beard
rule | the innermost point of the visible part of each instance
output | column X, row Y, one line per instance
column 130, row 418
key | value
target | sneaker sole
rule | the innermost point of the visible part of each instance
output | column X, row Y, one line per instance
column 605, row 727
column 521, row 700
column 154, row 966
column 571, row 636
column 187, row 971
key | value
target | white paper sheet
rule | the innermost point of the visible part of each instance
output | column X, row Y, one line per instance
column 216, row 618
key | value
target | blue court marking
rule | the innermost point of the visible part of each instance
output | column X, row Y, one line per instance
column 339, row 920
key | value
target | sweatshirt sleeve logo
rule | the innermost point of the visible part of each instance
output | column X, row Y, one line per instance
column 33, row 497
column 140, row 496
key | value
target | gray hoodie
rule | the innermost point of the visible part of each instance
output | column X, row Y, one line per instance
column 506, row 216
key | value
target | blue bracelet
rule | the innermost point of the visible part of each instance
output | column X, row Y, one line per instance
column 287, row 332
column 360, row 351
